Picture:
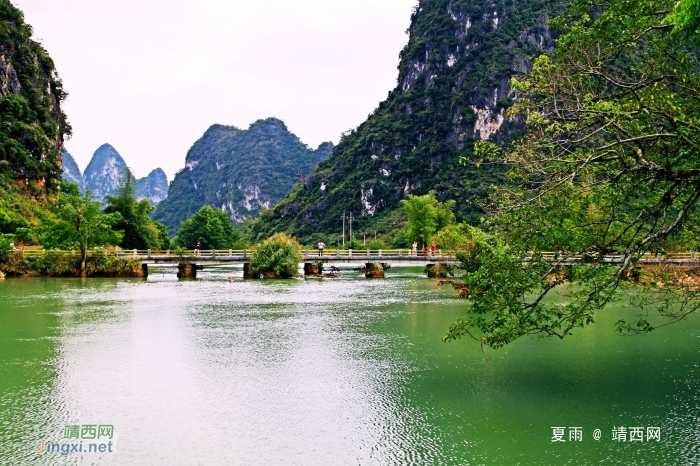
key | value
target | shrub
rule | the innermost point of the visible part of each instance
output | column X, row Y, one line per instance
column 277, row 257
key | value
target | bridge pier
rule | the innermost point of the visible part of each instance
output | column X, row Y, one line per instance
column 186, row 270
column 144, row 269
column 246, row 271
column 438, row 270
column 313, row 268
column 373, row 270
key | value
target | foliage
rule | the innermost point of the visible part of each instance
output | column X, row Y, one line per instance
column 32, row 125
column 355, row 244
column 686, row 16
column 228, row 165
column 210, row 227
column 140, row 232
column 5, row 248
column 376, row 245
column 163, row 240
column 81, row 223
column 277, row 256
column 401, row 240
column 426, row 215
column 20, row 210
column 608, row 166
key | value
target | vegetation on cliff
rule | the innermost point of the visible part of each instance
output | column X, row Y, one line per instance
column 453, row 89
column 33, row 126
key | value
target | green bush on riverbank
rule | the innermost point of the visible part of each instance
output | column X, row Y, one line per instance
column 60, row 265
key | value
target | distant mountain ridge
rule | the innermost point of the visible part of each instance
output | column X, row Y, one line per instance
column 103, row 172
column 239, row 171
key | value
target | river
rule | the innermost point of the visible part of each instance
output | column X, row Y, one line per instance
column 345, row 371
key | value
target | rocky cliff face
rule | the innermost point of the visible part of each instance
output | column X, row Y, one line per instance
column 453, row 89
column 239, row 171
column 154, row 187
column 103, row 172
column 33, row 125
column 71, row 171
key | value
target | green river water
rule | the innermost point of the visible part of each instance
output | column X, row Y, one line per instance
column 344, row 371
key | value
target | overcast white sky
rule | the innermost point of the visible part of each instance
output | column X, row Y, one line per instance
column 150, row 76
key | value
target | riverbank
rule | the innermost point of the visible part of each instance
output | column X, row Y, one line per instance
column 55, row 265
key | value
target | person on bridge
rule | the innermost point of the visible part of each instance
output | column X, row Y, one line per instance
column 415, row 249
column 432, row 249
column 425, row 250
column 198, row 248
column 320, row 248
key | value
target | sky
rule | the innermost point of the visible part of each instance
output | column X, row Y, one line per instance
column 150, row 76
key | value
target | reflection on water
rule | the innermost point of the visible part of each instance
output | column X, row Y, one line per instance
column 305, row 372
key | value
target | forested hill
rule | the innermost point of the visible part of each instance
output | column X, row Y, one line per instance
column 239, row 171
column 33, row 125
column 453, row 89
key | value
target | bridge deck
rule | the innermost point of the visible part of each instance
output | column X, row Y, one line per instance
column 332, row 259
column 221, row 257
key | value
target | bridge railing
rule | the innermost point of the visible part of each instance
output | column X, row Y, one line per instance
column 238, row 253
column 308, row 254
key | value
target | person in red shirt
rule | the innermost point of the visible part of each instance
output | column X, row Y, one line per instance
column 432, row 249
column 425, row 250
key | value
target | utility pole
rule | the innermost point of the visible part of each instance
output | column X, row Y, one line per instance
column 343, row 228
column 350, row 226
column 375, row 236
column 364, row 239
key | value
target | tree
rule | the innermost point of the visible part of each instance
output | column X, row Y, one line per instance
column 453, row 237
column 609, row 165
column 163, row 238
column 140, row 232
column 82, row 223
column 210, row 227
column 426, row 216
